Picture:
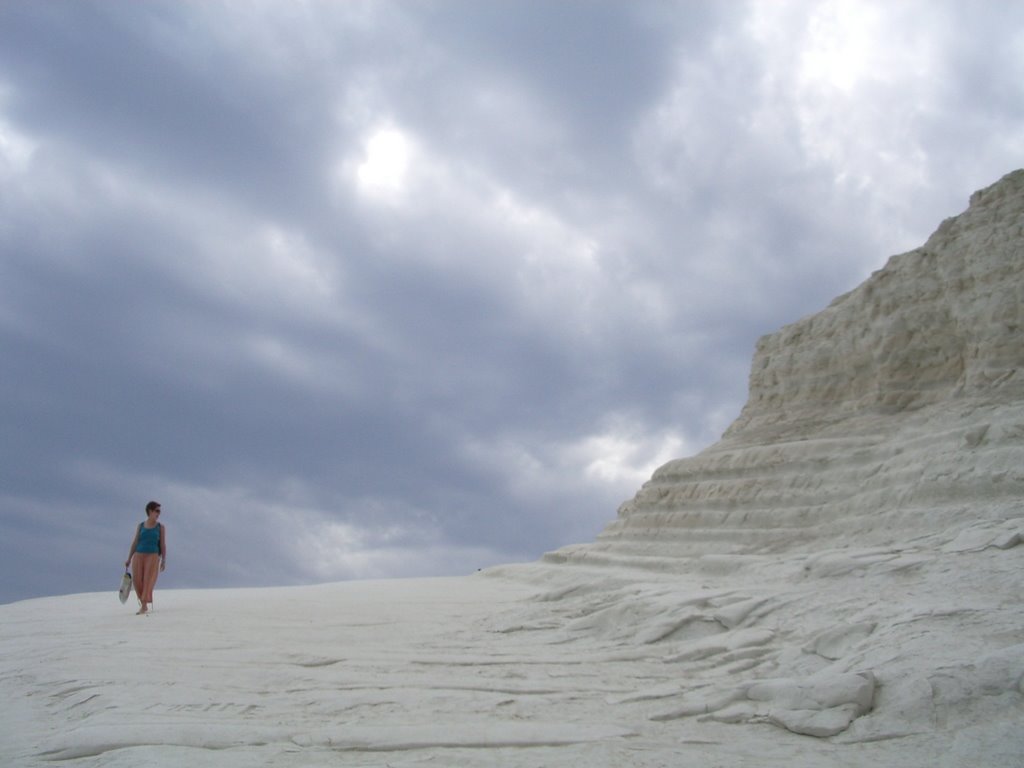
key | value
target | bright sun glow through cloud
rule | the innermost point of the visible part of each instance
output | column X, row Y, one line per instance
column 842, row 47
column 384, row 170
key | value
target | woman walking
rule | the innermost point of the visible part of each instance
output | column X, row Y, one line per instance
column 148, row 555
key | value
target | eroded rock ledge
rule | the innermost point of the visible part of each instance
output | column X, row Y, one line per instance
column 845, row 562
column 897, row 410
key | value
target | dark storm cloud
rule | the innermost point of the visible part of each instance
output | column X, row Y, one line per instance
column 373, row 289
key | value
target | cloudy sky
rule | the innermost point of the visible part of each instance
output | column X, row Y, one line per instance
column 373, row 289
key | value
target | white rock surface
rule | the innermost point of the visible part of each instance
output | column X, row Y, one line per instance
column 896, row 411
column 837, row 582
column 868, row 501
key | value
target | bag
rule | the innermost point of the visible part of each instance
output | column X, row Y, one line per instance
column 126, row 587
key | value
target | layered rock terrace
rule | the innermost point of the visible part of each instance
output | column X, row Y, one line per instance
column 844, row 562
column 895, row 412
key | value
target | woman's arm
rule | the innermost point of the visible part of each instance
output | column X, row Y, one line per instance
column 135, row 543
column 163, row 546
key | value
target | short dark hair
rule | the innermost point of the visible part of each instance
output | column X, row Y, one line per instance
column 151, row 506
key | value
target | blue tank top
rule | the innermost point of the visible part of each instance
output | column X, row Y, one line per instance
column 149, row 539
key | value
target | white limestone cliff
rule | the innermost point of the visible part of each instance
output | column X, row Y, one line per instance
column 896, row 411
column 844, row 562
